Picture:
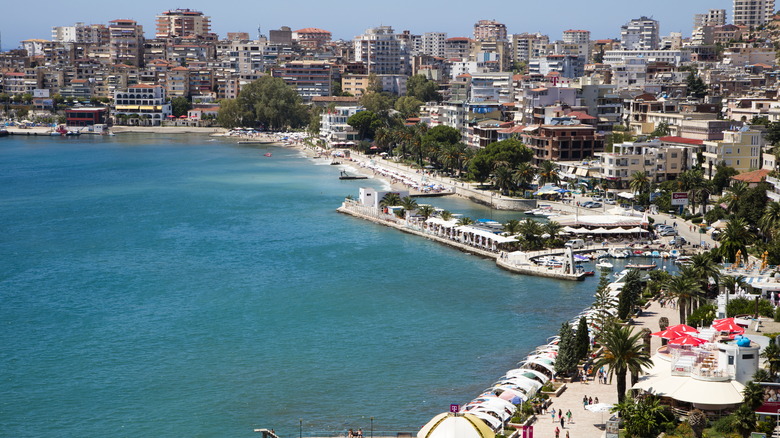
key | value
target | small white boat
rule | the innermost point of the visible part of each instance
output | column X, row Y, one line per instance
column 605, row 265
column 618, row 253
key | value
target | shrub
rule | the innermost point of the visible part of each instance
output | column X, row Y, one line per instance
column 723, row 424
column 702, row 317
column 777, row 314
column 745, row 306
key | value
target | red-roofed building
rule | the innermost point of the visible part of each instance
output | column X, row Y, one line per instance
column 85, row 116
column 752, row 179
column 311, row 38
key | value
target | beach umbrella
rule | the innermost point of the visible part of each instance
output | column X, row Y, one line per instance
column 687, row 340
column 668, row 334
column 683, row 328
column 600, row 407
column 728, row 325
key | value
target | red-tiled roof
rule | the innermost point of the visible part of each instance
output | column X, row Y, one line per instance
column 683, row 140
column 311, row 30
column 579, row 115
column 755, row 176
column 512, row 130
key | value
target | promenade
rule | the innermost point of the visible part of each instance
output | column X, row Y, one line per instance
column 586, row 424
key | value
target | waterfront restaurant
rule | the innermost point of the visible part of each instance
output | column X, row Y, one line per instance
column 468, row 234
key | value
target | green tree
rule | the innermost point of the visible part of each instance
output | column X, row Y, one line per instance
column 744, row 420
column 270, row 102
column 512, row 226
column 698, row 421
column 661, row 130
column 623, row 351
column 503, row 179
column 465, row 220
column 451, row 156
column 441, row 134
column 770, row 220
column 409, row 204
column 566, row 361
column 548, row 173
column 390, row 200
column 722, row 177
column 629, row 295
column 231, row 114
column 772, row 133
column 771, row 355
column 365, row 123
column 733, row 239
column 378, row 103
column 696, row 86
column 180, row 105
column 426, row 211
column 581, row 339
column 684, row 289
column 422, row 89
column 408, row 106
column 531, row 232
column 640, row 182
column 524, row 175
column 642, row 417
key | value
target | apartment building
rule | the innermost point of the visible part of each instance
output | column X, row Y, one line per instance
column 311, row 38
column 183, row 23
column 564, row 139
column 640, row 34
column 660, row 162
column 379, row 48
column 567, row 66
column 485, row 30
column 753, row 13
column 432, row 44
column 357, row 85
column 457, row 48
column 334, row 128
column 526, row 46
column 146, row 103
column 126, row 42
column 713, row 17
column 81, row 33
column 310, row 78
column 740, row 149
column 575, row 36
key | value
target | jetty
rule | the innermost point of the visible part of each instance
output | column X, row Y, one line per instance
column 472, row 241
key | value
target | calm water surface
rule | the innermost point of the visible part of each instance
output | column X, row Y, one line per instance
column 181, row 286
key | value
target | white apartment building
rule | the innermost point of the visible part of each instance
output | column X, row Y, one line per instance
column 379, row 48
column 242, row 56
column 740, row 149
column 80, row 33
column 713, row 17
column 660, row 162
column 674, row 57
column 640, row 34
column 526, row 46
column 753, row 13
column 433, row 43
column 334, row 128
column 573, row 36
column 144, row 100
column 491, row 87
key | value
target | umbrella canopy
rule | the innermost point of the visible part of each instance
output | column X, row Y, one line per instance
column 668, row 334
column 599, row 407
column 448, row 425
column 683, row 328
column 728, row 325
column 687, row 340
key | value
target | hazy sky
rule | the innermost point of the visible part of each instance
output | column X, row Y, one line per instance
column 21, row 20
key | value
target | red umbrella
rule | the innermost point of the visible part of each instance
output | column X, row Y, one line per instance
column 728, row 326
column 668, row 334
column 687, row 340
column 683, row 328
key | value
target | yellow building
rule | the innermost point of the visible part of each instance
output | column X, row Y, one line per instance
column 740, row 149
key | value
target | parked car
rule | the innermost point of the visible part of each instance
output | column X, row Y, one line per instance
column 678, row 241
column 610, row 201
column 595, row 205
column 668, row 232
column 586, row 204
column 639, row 208
column 596, row 198
column 575, row 243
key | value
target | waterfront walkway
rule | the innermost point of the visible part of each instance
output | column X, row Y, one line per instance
column 588, row 424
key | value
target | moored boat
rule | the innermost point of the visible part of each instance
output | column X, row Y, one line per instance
column 605, row 265
column 649, row 267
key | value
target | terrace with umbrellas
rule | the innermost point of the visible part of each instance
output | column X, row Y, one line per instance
column 702, row 368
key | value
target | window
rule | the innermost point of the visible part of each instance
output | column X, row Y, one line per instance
column 674, row 154
column 731, row 360
column 747, row 356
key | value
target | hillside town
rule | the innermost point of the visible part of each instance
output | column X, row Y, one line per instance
column 608, row 139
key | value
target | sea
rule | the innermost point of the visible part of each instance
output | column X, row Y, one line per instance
column 183, row 285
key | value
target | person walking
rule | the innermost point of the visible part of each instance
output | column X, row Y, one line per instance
column 557, row 432
column 584, row 401
column 568, row 415
column 563, row 426
column 567, row 434
column 553, row 415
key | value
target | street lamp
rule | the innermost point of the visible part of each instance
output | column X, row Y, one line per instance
column 300, row 428
column 372, row 427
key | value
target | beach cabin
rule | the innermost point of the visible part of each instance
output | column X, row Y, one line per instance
column 370, row 197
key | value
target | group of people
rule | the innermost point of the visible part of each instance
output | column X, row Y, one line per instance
column 353, row 434
column 589, row 401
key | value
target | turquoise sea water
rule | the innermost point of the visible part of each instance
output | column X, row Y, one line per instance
column 181, row 286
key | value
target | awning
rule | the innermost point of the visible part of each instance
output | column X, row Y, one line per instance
column 626, row 195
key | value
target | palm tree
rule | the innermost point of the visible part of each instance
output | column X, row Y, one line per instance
column 744, row 420
column 531, row 232
column 691, row 181
column 426, row 211
column 502, row 179
column 548, row 173
column 734, row 194
column 770, row 220
column 771, row 354
column 698, row 421
column 390, row 200
column 446, row 215
column 552, row 228
column 703, row 266
column 512, row 227
column 734, row 238
column 451, row 156
column 524, row 175
column 409, row 204
column 753, row 394
column 465, row 220
column 623, row 352
column 639, row 182
column 685, row 289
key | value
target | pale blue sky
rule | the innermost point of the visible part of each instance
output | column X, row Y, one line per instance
column 346, row 18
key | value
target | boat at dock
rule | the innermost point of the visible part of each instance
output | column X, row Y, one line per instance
column 605, row 265
column 649, row 267
column 4, row 133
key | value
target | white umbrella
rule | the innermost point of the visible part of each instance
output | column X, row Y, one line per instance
column 600, row 407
